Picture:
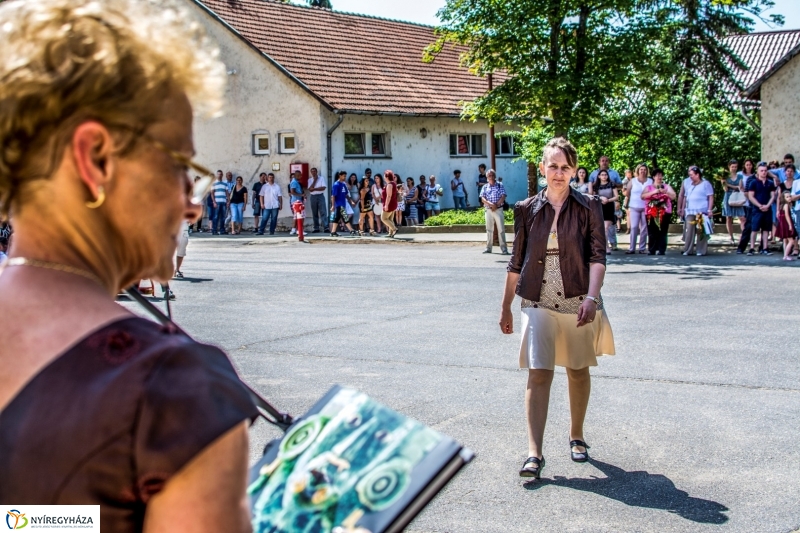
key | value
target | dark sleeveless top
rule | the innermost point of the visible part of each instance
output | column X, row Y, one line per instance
column 113, row 418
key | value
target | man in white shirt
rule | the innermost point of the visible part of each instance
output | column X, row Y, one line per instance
column 271, row 200
column 604, row 163
column 316, row 196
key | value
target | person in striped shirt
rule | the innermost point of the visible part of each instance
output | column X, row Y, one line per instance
column 220, row 195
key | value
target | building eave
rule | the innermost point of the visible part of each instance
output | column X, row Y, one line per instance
column 266, row 56
column 753, row 92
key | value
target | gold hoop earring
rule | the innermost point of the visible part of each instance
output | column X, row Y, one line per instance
column 101, row 197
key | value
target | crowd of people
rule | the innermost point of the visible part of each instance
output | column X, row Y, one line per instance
column 762, row 196
column 370, row 205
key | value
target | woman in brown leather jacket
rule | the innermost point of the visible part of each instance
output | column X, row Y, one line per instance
column 557, row 267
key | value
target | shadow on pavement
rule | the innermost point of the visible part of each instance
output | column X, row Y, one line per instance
column 641, row 489
column 191, row 280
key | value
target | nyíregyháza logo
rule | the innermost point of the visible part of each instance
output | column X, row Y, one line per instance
column 16, row 519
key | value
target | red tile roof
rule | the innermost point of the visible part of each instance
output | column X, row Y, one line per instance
column 354, row 62
column 764, row 53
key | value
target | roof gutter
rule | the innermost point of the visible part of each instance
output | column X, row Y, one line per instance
column 743, row 110
column 330, row 150
column 396, row 113
column 277, row 65
column 750, row 91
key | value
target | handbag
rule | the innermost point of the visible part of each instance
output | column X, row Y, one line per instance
column 708, row 225
column 737, row 199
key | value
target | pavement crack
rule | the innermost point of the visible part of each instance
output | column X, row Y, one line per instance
column 355, row 324
column 505, row 369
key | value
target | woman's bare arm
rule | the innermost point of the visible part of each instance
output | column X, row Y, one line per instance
column 207, row 495
column 506, row 316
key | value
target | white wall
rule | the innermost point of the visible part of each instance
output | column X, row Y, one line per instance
column 412, row 155
column 258, row 97
column 780, row 113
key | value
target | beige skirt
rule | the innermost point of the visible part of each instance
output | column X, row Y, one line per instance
column 550, row 338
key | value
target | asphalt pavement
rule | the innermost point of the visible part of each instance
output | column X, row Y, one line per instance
column 693, row 425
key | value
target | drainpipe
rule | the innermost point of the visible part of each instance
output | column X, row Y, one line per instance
column 491, row 134
column 743, row 111
column 330, row 150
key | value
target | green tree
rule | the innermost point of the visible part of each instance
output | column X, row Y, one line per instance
column 560, row 59
column 321, row 3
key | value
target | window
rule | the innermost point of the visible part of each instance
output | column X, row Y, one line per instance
column 504, row 145
column 288, row 143
column 261, row 144
column 378, row 145
column 366, row 145
column 353, row 144
column 467, row 145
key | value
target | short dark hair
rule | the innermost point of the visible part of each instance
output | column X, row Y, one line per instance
column 263, row 174
column 792, row 167
column 271, row 174
column 733, row 162
column 313, row 168
column 368, row 170
column 657, row 171
column 789, row 156
column 482, row 166
column 456, row 172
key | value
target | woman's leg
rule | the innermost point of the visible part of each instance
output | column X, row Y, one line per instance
column 642, row 231
column 742, row 223
column 537, row 400
column 580, row 385
column 688, row 234
column 378, row 224
column 729, row 225
column 653, row 236
column 635, row 216
column 387, row 217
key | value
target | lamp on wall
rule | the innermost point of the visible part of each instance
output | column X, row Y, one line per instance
column 423, row 132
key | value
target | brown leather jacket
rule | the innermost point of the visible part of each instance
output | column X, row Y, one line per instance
column 581, row 240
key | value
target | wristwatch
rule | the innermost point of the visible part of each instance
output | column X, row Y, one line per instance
column 592, row 298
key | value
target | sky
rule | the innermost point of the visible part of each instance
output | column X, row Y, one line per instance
column 424, row 11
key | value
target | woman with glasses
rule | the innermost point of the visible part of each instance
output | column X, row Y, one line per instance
column 103, row 407
column 367, row 203
column 238, row 201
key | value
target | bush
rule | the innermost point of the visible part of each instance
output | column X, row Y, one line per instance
column 453, row 218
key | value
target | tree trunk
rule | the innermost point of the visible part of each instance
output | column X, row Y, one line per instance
column 533, row 183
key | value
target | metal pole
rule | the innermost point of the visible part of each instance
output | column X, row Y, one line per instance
column 491, row 133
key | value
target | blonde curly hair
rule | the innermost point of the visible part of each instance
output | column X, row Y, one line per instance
column 67, row 61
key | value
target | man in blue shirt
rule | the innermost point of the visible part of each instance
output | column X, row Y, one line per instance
column 339, row 195
column 761, row 193
column 604, row 163
column 780, row 173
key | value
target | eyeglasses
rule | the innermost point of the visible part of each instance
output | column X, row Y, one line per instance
column 201, row 187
